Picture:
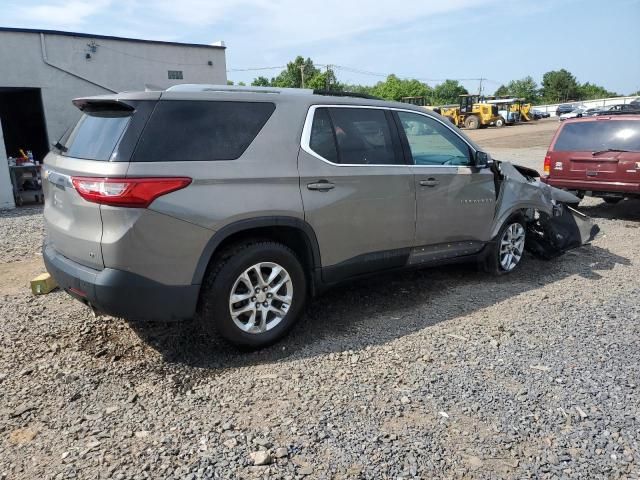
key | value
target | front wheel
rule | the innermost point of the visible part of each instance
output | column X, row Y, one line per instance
column 253, row 294
column 506, row 251
column 472, row 122
column 500, row 122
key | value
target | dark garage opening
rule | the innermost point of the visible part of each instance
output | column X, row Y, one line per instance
column 23, row 124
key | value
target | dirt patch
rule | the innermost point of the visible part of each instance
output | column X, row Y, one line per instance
column 15, row 276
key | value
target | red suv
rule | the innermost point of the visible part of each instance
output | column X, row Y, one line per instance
column 597, row 156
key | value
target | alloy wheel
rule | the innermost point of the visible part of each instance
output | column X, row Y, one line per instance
column 511, row 246
column 261, row 297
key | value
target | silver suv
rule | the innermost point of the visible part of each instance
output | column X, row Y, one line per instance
column 235, row 205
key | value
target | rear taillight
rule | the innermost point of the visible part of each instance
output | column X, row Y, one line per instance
column 547, row 165
column 127, row 192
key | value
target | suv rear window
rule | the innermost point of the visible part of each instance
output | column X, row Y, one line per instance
column 185, row 130
column 96, row 135
column 599, row 135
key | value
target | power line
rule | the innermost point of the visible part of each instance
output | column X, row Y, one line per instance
column 360, row 71
column 255, row 69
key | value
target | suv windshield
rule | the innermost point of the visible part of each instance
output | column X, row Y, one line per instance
column 597, row 136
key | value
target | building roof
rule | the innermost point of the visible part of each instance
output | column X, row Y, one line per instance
column 106, row 37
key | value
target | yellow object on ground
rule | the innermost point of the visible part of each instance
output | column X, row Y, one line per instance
column 43, row 284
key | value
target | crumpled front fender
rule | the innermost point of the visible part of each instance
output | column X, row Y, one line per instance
column 517, row 193
column 553, row 226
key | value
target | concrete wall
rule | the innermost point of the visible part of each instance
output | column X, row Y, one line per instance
column 116, row 65
column 601, row 102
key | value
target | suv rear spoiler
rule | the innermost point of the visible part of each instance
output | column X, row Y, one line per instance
column 88, row 105
column 118, row 102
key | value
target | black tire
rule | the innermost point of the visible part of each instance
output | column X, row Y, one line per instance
column 491, row 262
column 472, row 122
column 612, row 200
column 214, row 311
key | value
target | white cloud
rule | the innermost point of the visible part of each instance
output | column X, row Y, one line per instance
column 57, row 14
column 286, row 22
column 274, row 23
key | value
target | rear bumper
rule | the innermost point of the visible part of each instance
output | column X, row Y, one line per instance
column 593, row 186
column 119, row 293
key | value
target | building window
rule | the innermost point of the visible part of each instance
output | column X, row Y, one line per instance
column 175, row 75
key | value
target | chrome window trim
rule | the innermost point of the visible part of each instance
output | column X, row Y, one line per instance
column 306, row 137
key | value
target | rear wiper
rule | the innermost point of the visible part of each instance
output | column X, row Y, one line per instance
column 60, row 147
column 609, row 150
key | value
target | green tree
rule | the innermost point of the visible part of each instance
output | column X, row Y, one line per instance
column 590, row 91
column 502, row 91
column 292, row 76
column 299, row 70
column 559, row 86
column 525, row 88
column 261, row 82
column 448, row 92
column 394, row 88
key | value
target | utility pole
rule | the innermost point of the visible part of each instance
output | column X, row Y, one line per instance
column 327, row 79
column 302, row 75
column 480, row 87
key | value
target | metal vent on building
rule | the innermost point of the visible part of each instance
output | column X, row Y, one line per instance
column 175, row 75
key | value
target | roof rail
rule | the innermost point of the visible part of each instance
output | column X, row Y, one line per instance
column 334, row 93
column 197, row 87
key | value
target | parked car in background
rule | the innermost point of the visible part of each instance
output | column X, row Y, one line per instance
column 590, row 112
column 538, row 114
column 597, row 156
column 581, row 112
column 577, row 113
column 565, row 108
column 620, row 108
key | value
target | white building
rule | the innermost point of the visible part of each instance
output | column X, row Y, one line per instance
column 42, row 71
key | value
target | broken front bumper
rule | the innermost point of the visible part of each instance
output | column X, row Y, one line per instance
column 551, row 236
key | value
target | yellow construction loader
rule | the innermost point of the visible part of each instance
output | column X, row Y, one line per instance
column 473, row 114
column 469, row 113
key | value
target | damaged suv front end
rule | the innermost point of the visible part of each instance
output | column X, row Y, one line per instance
column 553, row 225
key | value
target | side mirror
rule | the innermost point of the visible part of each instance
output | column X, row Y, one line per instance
column 482, row 160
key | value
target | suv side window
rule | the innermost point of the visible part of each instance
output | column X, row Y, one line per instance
column 432, row 143
column 192, row 130
column 359, row 136
column 323, row 140
column 363, row 136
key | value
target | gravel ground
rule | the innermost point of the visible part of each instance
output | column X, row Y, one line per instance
column 441, row 373
column 21, row 234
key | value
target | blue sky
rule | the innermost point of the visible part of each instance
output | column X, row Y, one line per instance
column 598, row 41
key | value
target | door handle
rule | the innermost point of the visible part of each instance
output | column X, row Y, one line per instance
column 429, row 182
column 321, row 186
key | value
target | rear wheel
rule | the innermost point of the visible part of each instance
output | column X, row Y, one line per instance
column 507, row 249
column 253, row 294
column 472, row 122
